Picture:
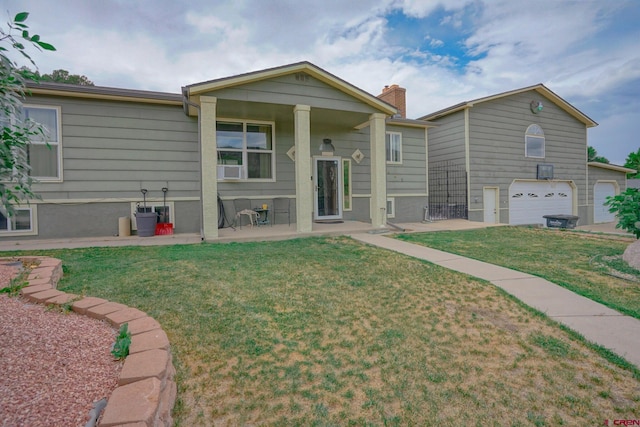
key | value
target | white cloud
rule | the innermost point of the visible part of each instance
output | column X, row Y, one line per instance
column 575, row 48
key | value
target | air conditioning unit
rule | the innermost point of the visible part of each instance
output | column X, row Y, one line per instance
column 230, row 172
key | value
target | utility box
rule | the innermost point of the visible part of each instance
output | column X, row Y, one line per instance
column 561, row 221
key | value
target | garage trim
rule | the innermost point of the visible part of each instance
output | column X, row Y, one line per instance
column 597, row 213
column 523, row 182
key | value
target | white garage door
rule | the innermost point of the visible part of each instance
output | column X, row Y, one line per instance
column 530, row 200
column 600, row 193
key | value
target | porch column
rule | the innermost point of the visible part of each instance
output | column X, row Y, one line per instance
column 378, row 170
column 304, row 195
column 208, row 165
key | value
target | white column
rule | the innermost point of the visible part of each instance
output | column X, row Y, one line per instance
column 209, row 163
column 304, row 195
column 378, row 170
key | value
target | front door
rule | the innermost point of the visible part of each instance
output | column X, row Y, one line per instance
column 327, row 183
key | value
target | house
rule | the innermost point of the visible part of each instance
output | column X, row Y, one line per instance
column 516, row 156
column 294, row 132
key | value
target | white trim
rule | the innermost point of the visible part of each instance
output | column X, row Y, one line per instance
column 350, row 182
column 597, row 209
column 535, row 135
column 388, row 151
column 391, row 202
column 108, row 200
column 152, row 204
column 33, row 222
column 538, row 189
column 244, row 150
column 611, row 167
column 316, row 213
column 496, row 204
column 57, row 144
column 407, row 194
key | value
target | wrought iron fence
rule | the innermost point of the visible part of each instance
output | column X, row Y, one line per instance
column 447, row 191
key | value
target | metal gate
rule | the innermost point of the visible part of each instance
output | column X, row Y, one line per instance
column 447, row 191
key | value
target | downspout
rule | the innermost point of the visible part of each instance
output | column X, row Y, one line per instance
column 197, row 107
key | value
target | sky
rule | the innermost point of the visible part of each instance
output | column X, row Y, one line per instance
column 442, row 52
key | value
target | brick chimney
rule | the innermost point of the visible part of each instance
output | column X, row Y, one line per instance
column 396, row 96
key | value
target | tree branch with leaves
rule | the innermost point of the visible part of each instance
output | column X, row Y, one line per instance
column 17, row 132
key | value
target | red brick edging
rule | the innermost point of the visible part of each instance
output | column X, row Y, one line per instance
column 146, row 390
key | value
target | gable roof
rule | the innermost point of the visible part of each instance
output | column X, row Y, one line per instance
column 540, row 88
column 298, row 67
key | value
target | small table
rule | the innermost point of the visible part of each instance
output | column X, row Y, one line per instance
column 263, row 216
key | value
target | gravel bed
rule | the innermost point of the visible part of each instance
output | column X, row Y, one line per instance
column 54, row 366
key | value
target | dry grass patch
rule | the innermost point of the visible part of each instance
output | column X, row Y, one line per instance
column 590, row 265
column 331, row 332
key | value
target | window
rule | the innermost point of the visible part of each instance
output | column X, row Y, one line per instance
column 164, row 212
column 534, row 142
column 20, row 223
column 245, row 150
column 43, row 152
column 393, row 146
column 391, row 207
column 346, row 184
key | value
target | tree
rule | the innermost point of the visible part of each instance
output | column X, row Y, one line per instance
column 60, row 76
column 633, row 162
column 16, row 132
column 626, row 206
column 592, row 156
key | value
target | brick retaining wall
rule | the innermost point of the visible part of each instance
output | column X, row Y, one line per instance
column 146, row 390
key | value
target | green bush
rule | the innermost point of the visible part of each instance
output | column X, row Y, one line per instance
column 626, row 206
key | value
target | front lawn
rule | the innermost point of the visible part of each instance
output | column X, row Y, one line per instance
column 590, row 265
column 326, row 331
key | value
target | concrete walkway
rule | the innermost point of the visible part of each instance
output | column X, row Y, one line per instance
column 594, row 321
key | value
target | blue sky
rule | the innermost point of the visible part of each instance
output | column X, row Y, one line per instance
column 443, row 52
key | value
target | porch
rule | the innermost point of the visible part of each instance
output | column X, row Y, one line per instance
column 244, row 234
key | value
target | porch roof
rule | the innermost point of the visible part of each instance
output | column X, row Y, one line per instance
column 196, row 89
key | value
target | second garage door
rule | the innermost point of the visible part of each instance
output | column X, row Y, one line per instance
column 529, row 201
column 600, row 193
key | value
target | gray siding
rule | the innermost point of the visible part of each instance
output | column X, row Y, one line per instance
column 600, row 174
column 292, row 90
column 410, row 176
column 446, row 141
column 112, row 149
column 497, row 150
column 99, row 219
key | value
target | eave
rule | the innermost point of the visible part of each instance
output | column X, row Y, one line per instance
column 103, row 93
column 611, row 167
column 300, row 67
column 540, row 88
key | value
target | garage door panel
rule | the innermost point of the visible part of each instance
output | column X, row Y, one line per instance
column 601, row 191
column 529, row 201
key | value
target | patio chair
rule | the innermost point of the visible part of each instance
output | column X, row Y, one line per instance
column 240, row 206
column 282, row 205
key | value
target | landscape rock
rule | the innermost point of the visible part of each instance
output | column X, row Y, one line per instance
column 632, row 255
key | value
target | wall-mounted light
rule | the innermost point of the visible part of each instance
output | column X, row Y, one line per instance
column 536, row 107
column 327, row 146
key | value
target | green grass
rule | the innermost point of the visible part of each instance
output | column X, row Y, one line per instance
column 326, row 331
column 579, row 262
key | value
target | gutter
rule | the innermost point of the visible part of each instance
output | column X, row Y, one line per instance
column 187, row 102
column 395, row 226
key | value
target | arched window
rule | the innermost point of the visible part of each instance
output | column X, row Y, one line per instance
column 534, row 142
